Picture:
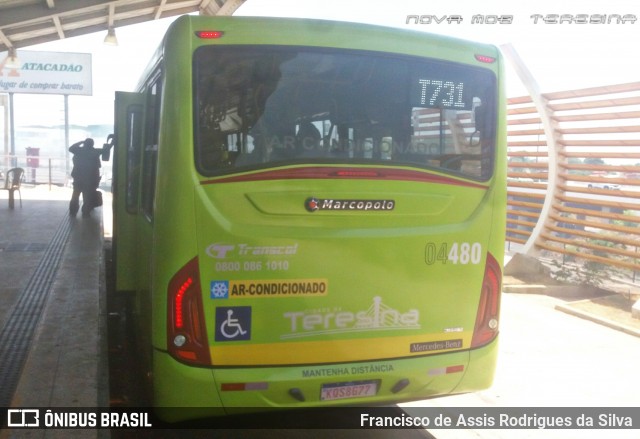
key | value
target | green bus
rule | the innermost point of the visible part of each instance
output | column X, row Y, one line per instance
column 311, row 213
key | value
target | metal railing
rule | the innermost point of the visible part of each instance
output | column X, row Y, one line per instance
column 38, row 170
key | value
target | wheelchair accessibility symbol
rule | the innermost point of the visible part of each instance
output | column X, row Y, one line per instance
column 233, row 323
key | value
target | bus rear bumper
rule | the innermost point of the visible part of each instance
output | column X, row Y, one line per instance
column 183, row 392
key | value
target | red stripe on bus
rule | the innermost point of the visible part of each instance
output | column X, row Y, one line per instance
column 344, row 173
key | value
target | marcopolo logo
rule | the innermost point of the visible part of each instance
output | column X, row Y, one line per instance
column 313, row 204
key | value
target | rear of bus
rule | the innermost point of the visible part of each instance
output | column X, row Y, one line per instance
column 329, row 215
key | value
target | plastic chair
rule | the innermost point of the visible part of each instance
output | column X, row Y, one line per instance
column 12, row 183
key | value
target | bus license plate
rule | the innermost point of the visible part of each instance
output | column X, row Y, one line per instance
column 358, row 389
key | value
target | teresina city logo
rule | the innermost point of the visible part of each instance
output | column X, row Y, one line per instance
column 377, row 317
column 313, row 204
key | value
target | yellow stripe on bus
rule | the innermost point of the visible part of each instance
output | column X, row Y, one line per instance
column 308, row 352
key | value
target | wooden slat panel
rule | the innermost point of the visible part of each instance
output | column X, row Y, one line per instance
column 600, row 130
column 604, row 103
column 592, row 123
column 593, row 91
column 606, row 261
column 588, row 245
column 598, row 116
column 598, row 213
column 598, row 203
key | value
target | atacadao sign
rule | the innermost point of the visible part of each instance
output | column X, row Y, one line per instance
column 48, row 72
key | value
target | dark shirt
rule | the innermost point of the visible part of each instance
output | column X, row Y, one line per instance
column 86, row 166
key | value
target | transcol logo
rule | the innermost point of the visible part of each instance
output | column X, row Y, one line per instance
column 223, row 251
column 219, row 251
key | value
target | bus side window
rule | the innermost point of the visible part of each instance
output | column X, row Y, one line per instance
column 149, row 159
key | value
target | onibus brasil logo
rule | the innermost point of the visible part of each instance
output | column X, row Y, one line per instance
column 377, row 317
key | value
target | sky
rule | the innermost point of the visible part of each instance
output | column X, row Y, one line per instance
column 581, row 51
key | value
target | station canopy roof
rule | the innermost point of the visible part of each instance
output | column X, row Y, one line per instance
column 27, row 22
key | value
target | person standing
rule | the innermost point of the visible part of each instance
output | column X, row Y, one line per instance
column 85, row 174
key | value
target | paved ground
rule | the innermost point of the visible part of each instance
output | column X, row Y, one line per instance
column 25, row 233
column 551, row 359
column 52, row 315
column 608, row 304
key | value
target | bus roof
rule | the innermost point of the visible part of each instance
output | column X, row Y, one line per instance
column 324, row 33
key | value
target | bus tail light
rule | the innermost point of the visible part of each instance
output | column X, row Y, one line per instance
column 186, row 330
column 209, row 34
column 485, row 59
column 486, row 328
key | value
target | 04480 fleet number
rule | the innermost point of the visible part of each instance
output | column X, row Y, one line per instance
column 456, row 253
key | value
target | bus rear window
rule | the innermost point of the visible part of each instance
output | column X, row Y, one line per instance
column 260, row 107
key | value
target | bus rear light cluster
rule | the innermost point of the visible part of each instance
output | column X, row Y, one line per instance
column 186, row 330
column 486, row 328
